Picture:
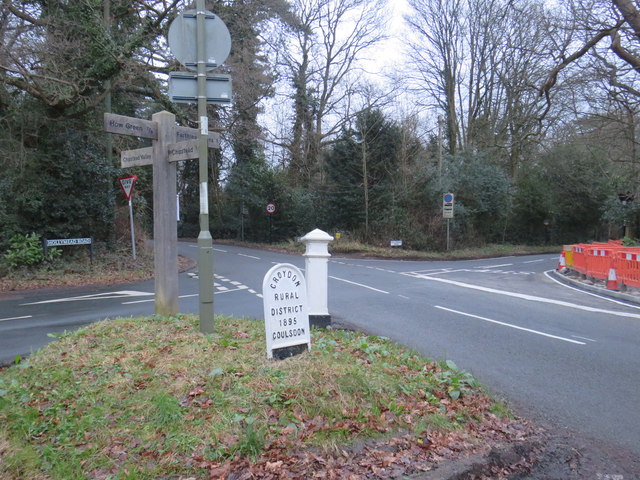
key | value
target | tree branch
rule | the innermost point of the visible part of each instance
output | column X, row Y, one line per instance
column 623, row 53
column 553, row 75
column 630, row 14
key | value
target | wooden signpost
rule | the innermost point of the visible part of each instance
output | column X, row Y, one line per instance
column 170, row 144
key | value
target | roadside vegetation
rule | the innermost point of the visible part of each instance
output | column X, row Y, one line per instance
column 148, row 398
column 341, row 246
column 24, row 266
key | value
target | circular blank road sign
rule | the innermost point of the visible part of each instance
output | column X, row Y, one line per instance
column 182, row 38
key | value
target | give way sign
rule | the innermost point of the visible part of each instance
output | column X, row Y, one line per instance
column 127, row 185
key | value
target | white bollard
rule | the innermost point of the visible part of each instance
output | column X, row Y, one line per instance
column 317, row 276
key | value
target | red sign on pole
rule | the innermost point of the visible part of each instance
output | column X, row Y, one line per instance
column 127, row 185
column 270, row 208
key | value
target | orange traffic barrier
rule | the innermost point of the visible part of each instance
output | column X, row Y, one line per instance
column 579, row 259
column 628, row 262
column 598, row 262
column 618, row 266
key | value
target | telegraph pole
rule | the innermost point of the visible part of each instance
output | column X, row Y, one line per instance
column 440, row 120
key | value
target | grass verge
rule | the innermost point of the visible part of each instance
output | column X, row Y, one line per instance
column 149, row 398
column 345, row 246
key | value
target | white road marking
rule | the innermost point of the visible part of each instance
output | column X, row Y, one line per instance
column 220, row 290
column 584, row 338
column 537, row 332
column 536, row 261
column 359, row 284
column 496, row 266
column 532, row 298
column 248, row 256
column 219, row 250
column 96, row 296
column 15, row 318
column 608, row 299
column 429, row 270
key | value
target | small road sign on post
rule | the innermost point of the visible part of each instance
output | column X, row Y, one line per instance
column 270, row 208
column 127, row 187
column 447, row 205
column 447, row 211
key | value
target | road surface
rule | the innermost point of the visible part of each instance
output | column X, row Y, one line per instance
column 563, row 356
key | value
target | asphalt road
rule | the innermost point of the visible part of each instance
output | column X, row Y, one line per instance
column 566, row 357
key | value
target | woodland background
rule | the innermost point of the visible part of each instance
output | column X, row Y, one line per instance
column 527, row 110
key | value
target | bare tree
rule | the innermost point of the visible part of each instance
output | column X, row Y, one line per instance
column 478, row 62
column 319, row 61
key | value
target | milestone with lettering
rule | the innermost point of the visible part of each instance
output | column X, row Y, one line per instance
column 284, row 293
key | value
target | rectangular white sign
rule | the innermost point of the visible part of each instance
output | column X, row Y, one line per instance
column 60, row 242
column 286, row 317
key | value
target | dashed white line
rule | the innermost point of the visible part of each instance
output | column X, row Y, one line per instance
column 15, row 318
column 496, row 266
column 537, row 332
column 248, row 256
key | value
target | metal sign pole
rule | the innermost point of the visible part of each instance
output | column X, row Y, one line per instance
column 205, row 242
column 448, row 234
column 133, row 235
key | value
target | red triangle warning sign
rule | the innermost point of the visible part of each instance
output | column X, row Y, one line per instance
column 127, row 185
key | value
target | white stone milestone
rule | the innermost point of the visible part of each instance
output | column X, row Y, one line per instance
column 286, row 317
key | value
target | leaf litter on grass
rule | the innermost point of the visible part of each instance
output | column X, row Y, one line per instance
column 154, row 398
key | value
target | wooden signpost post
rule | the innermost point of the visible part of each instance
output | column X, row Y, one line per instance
column 200, row 41
column 170, row 144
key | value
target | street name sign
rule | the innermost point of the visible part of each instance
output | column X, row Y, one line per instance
column 61, row 242
column 286, row 317
column 131, row 126
column 183, row 88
